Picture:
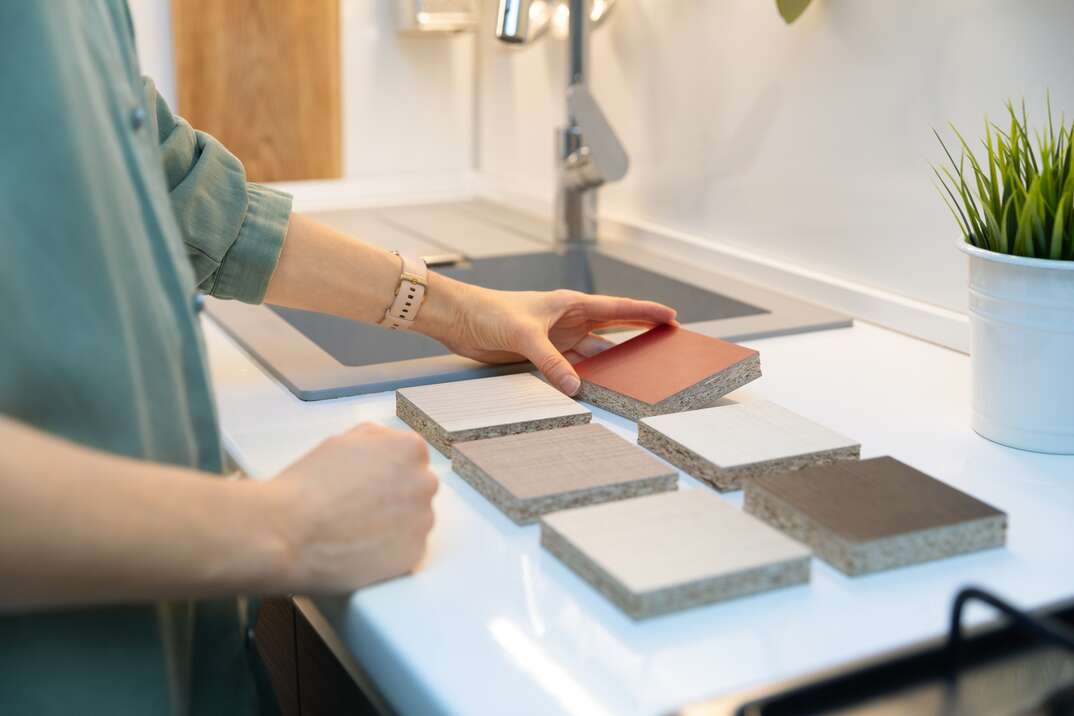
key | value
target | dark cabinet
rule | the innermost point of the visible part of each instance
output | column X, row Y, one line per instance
column 307, row 675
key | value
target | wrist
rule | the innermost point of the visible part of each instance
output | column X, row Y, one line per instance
column 444, row 307
column 277, row 538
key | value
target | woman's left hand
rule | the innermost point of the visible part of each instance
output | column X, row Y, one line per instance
column 552, row 329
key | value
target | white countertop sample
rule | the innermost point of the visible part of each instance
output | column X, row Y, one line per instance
column 675, row 540
column 491, row 623
column 513, row 399
column 747, row 433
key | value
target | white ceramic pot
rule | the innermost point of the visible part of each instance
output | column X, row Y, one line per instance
column 1022, row 350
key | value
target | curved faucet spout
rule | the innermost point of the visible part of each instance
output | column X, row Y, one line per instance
column 512, row 20
column 588, row 152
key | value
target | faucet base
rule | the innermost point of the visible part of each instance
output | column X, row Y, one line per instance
column 575, row 216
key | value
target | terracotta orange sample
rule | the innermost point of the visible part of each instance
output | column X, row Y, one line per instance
column 668, row 369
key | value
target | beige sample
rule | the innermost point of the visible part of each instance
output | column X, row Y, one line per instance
column 728, row 444
column 876, row 514
column 662, row 553
column 532, row 474
column 447, row 413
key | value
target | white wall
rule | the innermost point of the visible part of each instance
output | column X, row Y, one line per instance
column 408, row 102
column 808, row 144
column 153, row 35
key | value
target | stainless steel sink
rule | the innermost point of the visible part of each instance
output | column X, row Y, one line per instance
column 319, row 356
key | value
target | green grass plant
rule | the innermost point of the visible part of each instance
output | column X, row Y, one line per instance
column 1018, row 198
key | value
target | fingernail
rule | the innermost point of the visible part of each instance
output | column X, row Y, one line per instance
column 570, row 384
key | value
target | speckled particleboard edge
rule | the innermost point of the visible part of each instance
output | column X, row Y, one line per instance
column 726, row 479
column 442, row 440
column 858, row 558
column 700, row 395
column 677, row 598
column 527, row 511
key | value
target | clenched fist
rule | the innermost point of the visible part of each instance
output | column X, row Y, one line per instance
column 357, row 509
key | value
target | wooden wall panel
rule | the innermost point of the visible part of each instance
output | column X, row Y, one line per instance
column 263, row 76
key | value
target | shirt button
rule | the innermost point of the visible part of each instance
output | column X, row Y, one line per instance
column 199, row 302
column 137, row 118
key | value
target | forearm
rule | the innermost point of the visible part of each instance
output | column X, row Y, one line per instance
column 80, row 526
column 323, row 270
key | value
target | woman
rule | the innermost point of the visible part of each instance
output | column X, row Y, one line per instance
column 122, row 550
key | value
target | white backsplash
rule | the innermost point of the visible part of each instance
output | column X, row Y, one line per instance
column 808, row 143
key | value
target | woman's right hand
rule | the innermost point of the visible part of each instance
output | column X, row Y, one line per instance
column 356, row 510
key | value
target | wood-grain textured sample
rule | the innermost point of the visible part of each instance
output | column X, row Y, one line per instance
column 263, row 77
column 446, row 413
column 675, row 550
column 665, row 370
column 532, row 474
column 726, row 445
column 873, row 515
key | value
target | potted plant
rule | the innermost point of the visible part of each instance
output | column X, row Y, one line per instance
column 1015, row 207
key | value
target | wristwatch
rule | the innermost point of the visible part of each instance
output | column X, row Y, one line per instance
column 409, row 295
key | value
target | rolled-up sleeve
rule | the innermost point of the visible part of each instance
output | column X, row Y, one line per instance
column 233, row 229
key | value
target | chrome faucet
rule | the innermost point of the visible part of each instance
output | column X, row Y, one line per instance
column 588, row 152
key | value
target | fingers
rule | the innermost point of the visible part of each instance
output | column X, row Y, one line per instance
column 415, row 447
column 591, row 345
column 426, row 484
column 553, row 364
column 405, row 444
column 573, row 358
column 588, row 347
column 613, row 309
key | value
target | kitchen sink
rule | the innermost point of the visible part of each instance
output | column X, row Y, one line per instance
column 319, row 356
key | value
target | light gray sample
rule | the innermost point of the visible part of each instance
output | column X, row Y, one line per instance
column 662, row 553
column 728, row 444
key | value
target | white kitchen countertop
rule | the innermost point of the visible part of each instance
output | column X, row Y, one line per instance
column 492, row 624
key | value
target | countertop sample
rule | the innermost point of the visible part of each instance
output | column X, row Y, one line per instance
column 492, row 623
column 666, row 369
column 663, row 553
column 661, row 362
column 531, row 474
column 446, row 413
column 729, row 444
column 864, row 516
column 874, row 499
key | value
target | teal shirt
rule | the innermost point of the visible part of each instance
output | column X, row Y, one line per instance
column 113, row 214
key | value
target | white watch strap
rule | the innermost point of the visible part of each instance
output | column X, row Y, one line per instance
column 409, row 295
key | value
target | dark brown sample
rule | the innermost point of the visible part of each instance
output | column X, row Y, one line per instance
column 874, row 514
